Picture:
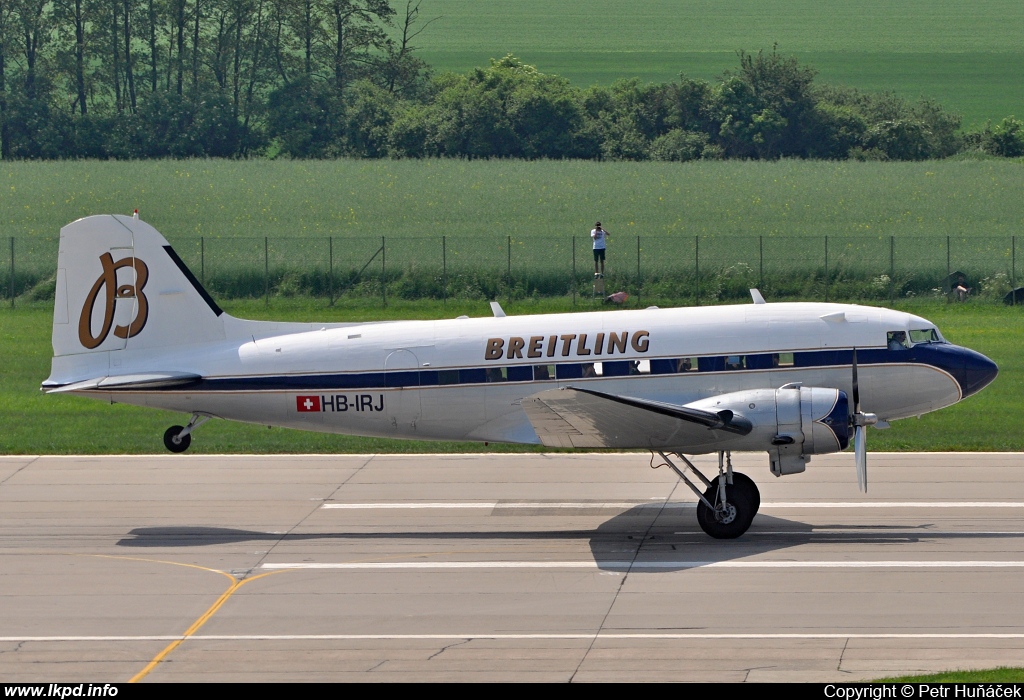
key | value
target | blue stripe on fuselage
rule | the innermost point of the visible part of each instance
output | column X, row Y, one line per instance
column 971, row 370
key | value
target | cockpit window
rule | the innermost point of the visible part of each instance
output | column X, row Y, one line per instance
column 897, row 340
column 929, row 335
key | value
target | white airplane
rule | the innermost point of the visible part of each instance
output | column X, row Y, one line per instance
column 133, row 325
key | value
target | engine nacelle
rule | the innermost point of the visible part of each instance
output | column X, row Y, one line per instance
column 791, row 423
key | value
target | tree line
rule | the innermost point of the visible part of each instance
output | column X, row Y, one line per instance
column 329, row 78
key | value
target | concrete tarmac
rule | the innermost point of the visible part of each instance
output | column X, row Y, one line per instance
column 581, row 567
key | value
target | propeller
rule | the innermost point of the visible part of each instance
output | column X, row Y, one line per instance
column 860, row 420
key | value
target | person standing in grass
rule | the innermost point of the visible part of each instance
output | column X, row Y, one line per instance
column 600, row 237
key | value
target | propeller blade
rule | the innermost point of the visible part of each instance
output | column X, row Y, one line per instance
column 856, row 385
column 861, row 455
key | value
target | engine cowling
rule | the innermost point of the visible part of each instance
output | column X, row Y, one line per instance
column 791, row 423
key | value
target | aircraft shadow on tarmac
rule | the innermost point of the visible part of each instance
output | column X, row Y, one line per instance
column 665, row 540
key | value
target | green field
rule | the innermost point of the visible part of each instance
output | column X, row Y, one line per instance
column 234, row 222
column 431, row 198
column 969, row 57
column 36, row 423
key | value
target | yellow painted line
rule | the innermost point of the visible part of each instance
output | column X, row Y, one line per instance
column 202, row 620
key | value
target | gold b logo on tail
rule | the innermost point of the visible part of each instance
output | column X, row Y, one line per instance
column 108, row 281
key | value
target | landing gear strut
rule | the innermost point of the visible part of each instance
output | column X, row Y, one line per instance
column 178, row 438
column 728, row 504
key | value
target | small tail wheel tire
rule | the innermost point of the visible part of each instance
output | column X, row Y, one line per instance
column 175, row 444
column 728, row 521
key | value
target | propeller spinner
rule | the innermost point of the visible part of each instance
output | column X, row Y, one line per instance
column 860, row 421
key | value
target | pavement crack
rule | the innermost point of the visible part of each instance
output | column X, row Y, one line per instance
column 375, row 667
column 839, row 666
column 19, row 470
column 446, row 648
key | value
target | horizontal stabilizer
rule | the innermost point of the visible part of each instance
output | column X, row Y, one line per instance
column 572, row 417
column 124, row 382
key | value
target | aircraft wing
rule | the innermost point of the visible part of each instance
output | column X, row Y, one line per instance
column 571, row 417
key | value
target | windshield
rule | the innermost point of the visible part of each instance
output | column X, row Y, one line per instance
column 929, row 335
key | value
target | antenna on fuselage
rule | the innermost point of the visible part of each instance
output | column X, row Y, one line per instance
column 756, row 296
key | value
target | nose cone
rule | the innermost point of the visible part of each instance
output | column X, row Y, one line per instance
column 978, row 372
column 971, row 370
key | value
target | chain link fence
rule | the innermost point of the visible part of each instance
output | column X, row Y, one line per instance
column 690, row 270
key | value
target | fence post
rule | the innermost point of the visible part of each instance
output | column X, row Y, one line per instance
column 826, row 269
column 383, row 272
column 696, row 270
column 573, row 280
column 1013, row 270
column 12, row 272
column 948, row 270
column 508, row 283
column 330, row 268
column 892, row 270
column 444, row 269
column 266, row 269
column 202, row 259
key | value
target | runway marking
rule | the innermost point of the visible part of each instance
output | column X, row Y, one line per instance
column 525, row 636
column 202, row 620
column 634, row 565
column 491, row 505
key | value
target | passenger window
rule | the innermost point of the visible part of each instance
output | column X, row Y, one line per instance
column 497, row 374
column 520, row 373
column 618, row 368
column 448, row 376
column 782, row 359
column 711, row 364
column 543, row 372
column 569, row 371
column 734, row 362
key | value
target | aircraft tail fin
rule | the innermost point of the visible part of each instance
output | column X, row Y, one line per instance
column 120, row 286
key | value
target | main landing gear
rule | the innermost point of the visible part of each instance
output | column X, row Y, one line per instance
column 177, row 438
column 730, row 501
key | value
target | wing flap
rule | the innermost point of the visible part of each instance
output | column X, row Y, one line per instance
column 582, row 418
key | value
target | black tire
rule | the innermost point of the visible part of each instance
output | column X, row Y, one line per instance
column 173, row 446
column 742, row 500
column 744, row 482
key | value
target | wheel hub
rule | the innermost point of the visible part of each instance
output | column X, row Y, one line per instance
column 725, row 514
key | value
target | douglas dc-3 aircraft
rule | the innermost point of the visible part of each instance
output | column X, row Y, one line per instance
column 132, row 324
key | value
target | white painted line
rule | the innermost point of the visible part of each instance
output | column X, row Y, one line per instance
column 521, row 636
column 893, row 504
column 634, row 565
column 490, row 505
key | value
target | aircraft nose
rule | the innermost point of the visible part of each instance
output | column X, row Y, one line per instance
column 971, row 370
column 977, row 373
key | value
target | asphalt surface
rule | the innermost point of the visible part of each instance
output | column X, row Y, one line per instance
column 583, row 567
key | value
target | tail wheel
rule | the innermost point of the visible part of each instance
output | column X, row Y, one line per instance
column 174, row 443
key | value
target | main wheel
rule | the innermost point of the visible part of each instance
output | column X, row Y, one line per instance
column 733, row 519
column 744, row 482
column 169, row 439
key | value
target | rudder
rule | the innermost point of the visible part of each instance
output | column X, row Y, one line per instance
column 120, row 286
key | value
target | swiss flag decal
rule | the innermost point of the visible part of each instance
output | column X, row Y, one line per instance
column 307, row 404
